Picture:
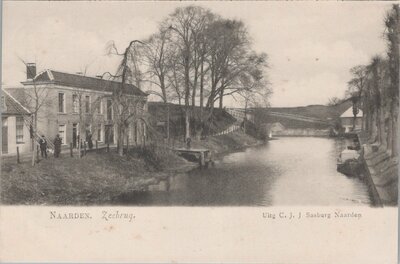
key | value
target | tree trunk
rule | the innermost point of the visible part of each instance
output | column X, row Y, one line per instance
column 168, row 123
column 394, row 117
column 221, row 98
column 382, row 129
column 120, row 141
column 34, row 158
column 201, row 90
column 377, row 124
column 127, row 141
column 187, row 124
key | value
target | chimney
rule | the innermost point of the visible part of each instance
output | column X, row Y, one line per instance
column 30, row 70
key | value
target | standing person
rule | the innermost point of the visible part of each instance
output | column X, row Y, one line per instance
column 89, row 140
column 43, row 147
column 57, row 146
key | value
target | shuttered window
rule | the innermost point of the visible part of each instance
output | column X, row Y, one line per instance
column 61, row 103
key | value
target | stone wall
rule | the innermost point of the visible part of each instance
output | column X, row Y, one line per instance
column 306, row 132
column 382, row 170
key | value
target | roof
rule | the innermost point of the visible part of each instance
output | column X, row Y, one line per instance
column 85, row 82
column 349, row 113
column 13, row 107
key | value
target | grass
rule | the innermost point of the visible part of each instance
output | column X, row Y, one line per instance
column 98, row 177
column 94, row 179
column 224, row 143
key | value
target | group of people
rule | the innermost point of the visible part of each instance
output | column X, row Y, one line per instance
column 57, row 145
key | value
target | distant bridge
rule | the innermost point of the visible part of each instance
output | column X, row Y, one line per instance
column 300, row 118
column 240, row 113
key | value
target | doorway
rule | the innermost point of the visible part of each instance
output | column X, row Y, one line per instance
column 109, row 134
column 74, row 135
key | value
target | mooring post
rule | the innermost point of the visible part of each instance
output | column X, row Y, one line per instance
column 108, row 147
column 84, row 149
column 97, row 145
column 201, row 159
column 17, row 155
column 70, row 149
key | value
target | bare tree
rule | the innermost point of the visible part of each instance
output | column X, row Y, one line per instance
column 158, row 54
column 334, row 101
column 356, row 87
column 35, row 99
column 392, row 35
column 186, row 26
column 127, row 108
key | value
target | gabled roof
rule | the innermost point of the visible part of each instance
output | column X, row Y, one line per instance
column 12, row 106
column 349, row 113
column 85, row 82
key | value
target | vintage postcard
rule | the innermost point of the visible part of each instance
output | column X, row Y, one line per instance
column 199, row 132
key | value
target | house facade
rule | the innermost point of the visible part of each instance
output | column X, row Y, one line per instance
column 347, row 119
column 15, row 132
column 74, row 106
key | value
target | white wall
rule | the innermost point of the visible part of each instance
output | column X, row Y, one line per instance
column 12, row 139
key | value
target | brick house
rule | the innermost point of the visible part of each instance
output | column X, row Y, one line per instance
column 73, row 104
column 15, row 132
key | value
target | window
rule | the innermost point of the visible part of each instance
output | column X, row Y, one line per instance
column 88, row 130
column 109, row 110
column 100, row 107
column 87, row 104
column 20, row 129
column 61, row 132
column 61, row 103
column 75, row 103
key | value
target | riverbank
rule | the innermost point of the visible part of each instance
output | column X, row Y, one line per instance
column 222, row 144
column 302, row 132
column 93, row 179
column 100, row 176
column 381, row 171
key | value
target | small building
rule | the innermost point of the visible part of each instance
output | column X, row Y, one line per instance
column 14, row 120
column 347, row 120
column 74, row 106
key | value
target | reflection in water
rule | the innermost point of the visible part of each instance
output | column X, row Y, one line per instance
column 288, row 171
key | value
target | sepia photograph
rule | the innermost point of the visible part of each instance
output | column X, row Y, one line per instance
column 200, row 104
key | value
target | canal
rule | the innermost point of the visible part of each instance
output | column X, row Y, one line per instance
column 288, row 171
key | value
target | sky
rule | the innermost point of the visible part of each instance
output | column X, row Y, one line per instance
column 310, row 45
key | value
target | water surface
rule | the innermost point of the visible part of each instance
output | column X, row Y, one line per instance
column 284, row 172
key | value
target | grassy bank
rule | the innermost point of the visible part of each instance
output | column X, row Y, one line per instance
column 98, row 177
column 94, row 179
column 225, row 143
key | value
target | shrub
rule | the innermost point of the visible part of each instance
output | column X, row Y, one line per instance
column 156, row 156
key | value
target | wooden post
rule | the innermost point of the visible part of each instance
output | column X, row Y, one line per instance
column 97, row 145
column 70, row 149
column 18, row 155
column 208, row 159
column 201, row 159
column 84, row 149
column 108, row 147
